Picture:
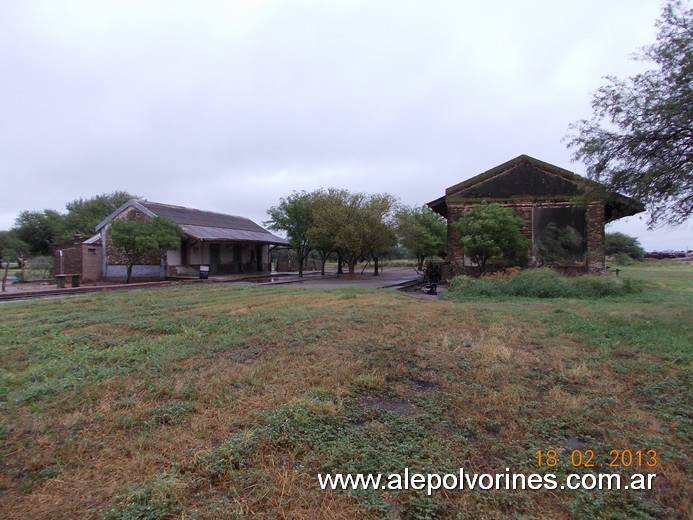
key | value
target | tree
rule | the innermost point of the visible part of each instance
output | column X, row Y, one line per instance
column 39, row 229
column 378, row 227
column 490, row 231
column 138, row 239
column 83, row 215
column 294, row 214
column 422, row 232
column 12, row 247
column 622, row 244
column 320, row 237
column 640, row 138
column 353, row 222
column 322, row 245
column 334, row 220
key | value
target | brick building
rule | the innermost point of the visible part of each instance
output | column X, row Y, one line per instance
column 563, row 213
column 224, row 244
column 79, row 256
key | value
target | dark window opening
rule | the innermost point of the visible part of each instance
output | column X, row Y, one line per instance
column 183, row 252
column 560, row 235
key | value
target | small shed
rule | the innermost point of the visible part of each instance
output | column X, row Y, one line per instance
column 563, row 213
column 79, row 256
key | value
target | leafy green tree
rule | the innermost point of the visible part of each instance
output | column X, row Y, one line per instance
column 620, row 243
column 323, row 246
column 331, row 213
column 39, row 229
column 490, row 231
column 138, row 239
column 83, row 215
column 379, row 227
column 422, row 232
column 640, row 139
column 320, row 237
column 12, row 247
column 294, row 215
column 353, row 222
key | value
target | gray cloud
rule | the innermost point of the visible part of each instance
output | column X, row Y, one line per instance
column 230, row 105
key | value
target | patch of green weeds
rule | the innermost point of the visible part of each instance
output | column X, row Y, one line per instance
column 436, row 403
column 125, row 421
column 617, row 504
column 170, row 413
column 153, row 499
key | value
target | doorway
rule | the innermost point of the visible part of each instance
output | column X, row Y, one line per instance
column 214, row 258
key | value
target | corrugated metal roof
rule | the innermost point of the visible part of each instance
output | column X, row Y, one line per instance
column 208, row 225
column 238, row 235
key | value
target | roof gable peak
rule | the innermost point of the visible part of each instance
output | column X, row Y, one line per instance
column 514, row 163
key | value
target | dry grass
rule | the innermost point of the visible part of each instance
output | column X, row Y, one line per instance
column 483, row 393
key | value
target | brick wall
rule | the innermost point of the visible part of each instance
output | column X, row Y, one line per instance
column 91, row 262
column 595, row 260
column 455, row 253
column 71, row 258
column 78, row 258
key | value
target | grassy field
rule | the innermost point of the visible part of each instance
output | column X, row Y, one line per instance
column 226, row 402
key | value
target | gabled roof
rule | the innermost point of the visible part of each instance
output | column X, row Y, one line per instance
column 203, row 225
column 525, row 177
column 530, row 163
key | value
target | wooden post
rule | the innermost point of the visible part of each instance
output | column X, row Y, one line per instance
column 4, row 276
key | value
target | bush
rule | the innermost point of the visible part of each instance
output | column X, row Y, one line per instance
column 623, row 259
column 538, row 283
column 466, row 286
column 541, row 283
column 619, row 244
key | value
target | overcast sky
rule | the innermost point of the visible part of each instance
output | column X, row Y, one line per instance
column 230, row 105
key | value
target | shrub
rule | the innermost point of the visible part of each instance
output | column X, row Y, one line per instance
column 538, row 283
column 541, row 283
column 623, row 259
column 621, row 244
column 466, row 286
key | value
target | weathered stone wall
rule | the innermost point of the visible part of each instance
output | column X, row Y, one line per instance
column 117, row 256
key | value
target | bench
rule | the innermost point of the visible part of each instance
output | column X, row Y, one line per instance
column 60, row 280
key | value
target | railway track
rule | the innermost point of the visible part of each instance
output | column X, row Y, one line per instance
column 70, row 291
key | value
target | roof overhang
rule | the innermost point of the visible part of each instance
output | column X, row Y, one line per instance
column 215, row 234
column 439, row 206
